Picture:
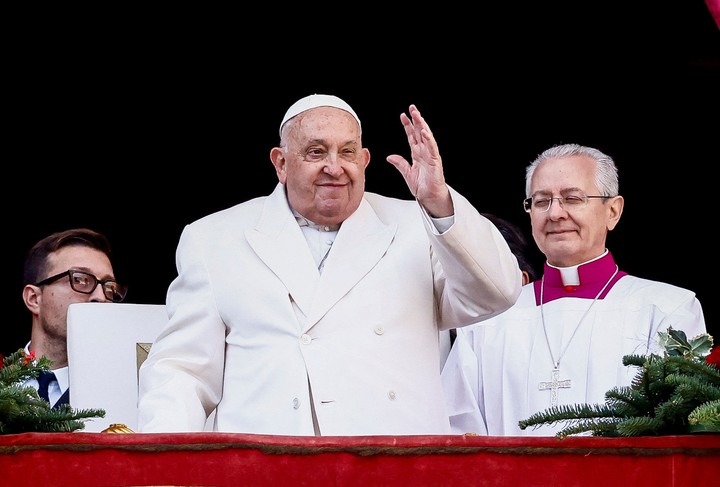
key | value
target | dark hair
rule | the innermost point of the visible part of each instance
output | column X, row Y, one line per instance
column 516, row 241
column 36, row 261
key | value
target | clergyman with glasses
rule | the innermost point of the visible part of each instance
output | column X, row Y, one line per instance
column 66, row 267
column 563, row 341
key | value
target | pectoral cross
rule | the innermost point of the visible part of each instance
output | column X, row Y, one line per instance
column 554, row 385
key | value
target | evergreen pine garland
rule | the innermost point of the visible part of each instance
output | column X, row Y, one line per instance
column 673, row 394
column 22, row 410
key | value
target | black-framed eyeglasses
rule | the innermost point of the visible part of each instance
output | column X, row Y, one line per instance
column 570, row 202
column 85, row 283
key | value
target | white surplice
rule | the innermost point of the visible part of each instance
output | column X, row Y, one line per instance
column 493, row 374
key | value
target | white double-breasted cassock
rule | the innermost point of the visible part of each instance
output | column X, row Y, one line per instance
column 258, row 332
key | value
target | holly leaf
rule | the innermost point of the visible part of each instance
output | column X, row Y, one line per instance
column 676, row 344
column 701, row 345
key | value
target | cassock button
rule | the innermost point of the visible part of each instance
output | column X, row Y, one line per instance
column 570, row 289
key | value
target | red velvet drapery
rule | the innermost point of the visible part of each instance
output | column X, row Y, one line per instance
column 228, row 459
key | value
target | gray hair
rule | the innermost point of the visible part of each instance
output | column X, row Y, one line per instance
column 606, row 174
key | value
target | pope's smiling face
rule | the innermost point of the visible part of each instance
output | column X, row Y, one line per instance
column 322, row 164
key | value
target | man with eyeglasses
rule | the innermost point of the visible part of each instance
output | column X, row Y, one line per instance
column 563, row 341
column 71, row 266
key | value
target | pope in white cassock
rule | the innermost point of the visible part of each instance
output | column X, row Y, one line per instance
column 564, row 339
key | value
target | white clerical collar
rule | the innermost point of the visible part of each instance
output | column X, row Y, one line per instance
column 570, row 275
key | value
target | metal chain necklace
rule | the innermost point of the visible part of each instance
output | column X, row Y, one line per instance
column 556, row 383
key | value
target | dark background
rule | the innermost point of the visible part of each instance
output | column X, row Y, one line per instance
column 137, row 129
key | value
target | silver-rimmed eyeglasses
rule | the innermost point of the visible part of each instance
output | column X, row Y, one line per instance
column 569, row 202
column 85, row 283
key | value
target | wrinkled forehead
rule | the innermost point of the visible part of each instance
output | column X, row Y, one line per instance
column 325, row 123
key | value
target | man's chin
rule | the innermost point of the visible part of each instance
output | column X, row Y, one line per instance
column 333, row 212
